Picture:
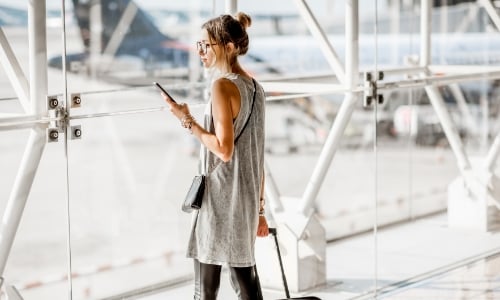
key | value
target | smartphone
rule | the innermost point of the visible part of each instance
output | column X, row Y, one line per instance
column 163, row 90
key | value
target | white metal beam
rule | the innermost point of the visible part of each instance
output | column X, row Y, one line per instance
column 272, row 191
column 13, row 122
column 463, row 107
column 20, row 192
column 325, row 45
column 492, row 12
column 231, row 7
column 14, row 72
column 302, row 87
column 425, row 33
column 432, row 91
column 449, row 128
column 345, row 112
column 36, row 142
column 96, row 28
column 471, row 16
column 493, row 154
column 37, row 34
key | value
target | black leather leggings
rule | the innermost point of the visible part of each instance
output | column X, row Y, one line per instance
column 245, row 282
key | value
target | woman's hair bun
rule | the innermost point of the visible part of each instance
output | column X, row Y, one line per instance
column 244, row 19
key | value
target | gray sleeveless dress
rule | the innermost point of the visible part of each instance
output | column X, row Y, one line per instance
column 223, row 231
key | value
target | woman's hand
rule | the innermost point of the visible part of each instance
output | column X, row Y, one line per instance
column 262, row 229
column 178, row 110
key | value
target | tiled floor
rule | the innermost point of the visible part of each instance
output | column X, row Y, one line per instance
column 423, row 259
column 479, row 280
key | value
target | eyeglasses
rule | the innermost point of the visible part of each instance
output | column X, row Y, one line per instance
column 203, row 47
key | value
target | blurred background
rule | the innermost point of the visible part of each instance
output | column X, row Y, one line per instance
column 101, row 206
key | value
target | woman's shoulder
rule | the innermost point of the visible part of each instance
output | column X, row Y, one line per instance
column 236, row 79
column 224, row 86
column 223, row 82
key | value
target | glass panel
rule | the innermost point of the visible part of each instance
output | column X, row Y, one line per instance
column 38, row 260
column 32, row 169
column 296, row 134
column 133, row 164
column 128, row 176
column 418, row 172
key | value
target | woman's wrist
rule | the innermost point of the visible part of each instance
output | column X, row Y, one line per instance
column 187, row 121
column 262, row 203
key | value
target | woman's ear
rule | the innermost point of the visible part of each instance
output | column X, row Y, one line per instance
column 230, row 47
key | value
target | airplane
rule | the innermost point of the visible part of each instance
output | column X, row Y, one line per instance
column 157, row 54
column 141, row 40
column 279, row 54
column 160, row 55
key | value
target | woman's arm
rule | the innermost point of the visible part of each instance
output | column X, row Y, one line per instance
column 225, row 106
column 224, row 92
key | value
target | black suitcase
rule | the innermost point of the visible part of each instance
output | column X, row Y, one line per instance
column 287, row 292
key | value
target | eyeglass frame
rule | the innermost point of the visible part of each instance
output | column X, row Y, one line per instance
column 203, row 46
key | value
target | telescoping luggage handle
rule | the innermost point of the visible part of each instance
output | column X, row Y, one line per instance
column 274, row 233
column 285, row 284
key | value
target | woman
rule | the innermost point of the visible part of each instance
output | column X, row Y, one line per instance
column 232, row 213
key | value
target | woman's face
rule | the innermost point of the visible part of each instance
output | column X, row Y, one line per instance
column 206, row 50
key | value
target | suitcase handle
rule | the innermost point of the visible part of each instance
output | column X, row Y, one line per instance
column 274, row 232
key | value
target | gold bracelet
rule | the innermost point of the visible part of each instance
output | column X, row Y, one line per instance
column 185, row 119
column 187, row 122
column 261, row 209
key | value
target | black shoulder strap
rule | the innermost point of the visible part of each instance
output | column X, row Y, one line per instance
column 253, row 102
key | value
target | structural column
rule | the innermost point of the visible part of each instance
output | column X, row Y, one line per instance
column 231, row 7
column 432, row 91
column 36, row 142
column 345, row 112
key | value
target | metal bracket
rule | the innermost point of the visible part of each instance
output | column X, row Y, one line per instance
column 55, row 109
column 59, row 118
column 76, row 132
column 52, row 135
column 76, row 100
column 371, row 92
column 52, row 102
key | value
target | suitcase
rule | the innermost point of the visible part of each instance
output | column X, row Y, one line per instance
column 285, row 284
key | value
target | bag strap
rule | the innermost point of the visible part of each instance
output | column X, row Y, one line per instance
column 253, row 102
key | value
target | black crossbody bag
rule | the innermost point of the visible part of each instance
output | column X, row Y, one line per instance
column 195, row 193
